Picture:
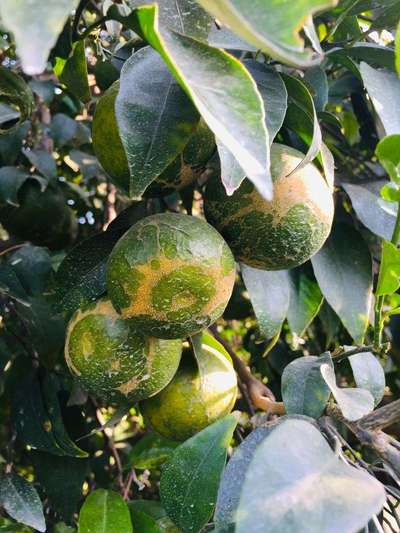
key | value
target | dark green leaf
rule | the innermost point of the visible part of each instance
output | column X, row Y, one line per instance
column 155, row 117
column 269, row 293
column 304, row 302
column 148, row 516
column 11, row 180
column 190, row 479
column 21, row 501
column 389, row 272
column 343, row 269
column 368, row 374
column 63, row 129
column 354, row 403
column 88, row 163
column 73, row 72
column 383, row 87
column 373, row 54
column 32, row 265
column 271, row 26
column 376, row 214
column 304, row 390
column 11, row 144
column 104, row 511
column 25, row 17
column 151, row 451
column 16, row 92
column 294, row 477
column 317, row 79
column 184, row 16
column 43, row 162
column 219, row 86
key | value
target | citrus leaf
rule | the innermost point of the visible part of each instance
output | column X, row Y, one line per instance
column 104, row 511
column 11, row 180
column 304, row 390
column 389, row 272
column 368, row 374
column 36, row 26
column 373, row 54
column 343, row 268
column 15, row 91
column 32, row 264
column 354, row 403
column 155, row 117
column 219, row 86
column 73, row 72
column 269, row 293
column 43, row 162
column 295, row 482
column 190, row 479
column 388, row 153
column 304, row 302
column 383, row 87
column 21, row 501
column 272, row 26
column 376, row 214
column 149, row 516
column 151, row 451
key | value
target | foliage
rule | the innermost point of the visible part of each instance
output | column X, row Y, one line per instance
column 190, row 92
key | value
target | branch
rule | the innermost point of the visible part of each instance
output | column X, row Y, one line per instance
column 381, row 418
column 260, row 395
column 340, row 353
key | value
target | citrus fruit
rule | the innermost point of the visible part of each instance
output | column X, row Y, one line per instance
column 42, row 217
column 110, row 152
column 280, row 234
column 113, row 360
column 172, row 274
column 201, row 392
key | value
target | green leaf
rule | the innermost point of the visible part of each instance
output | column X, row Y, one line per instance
column 149, row 516
column 272, row 26
column 183, row 16
column 73, row 73
column 190, row 479
column 343, row 269
column 151, row 451
column 155, row 117
column 32, row 264
column 304, row 391
column 269, row 293
column 36, row 26
column 383, row 87
column 295, row 482
column 21, row 501
column 390, row 193
column 63, row 528
column 11, row 180
column 15, row 92
column 43, row 162
column 368, row 374
column 317, row 80
column 11, row 143
column 219, row 86
column 104, row 511
column 388, row 153
column 397, row 48
column 354, row 403
column 304, row 302
column 389, row 273
column 375, row 213
column 373, row 54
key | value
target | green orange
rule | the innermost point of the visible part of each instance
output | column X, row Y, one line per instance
column 171, row 274
column 113, row 360
column 110, row 152
column 42, row 217
column 201, row 392
column 280, row 234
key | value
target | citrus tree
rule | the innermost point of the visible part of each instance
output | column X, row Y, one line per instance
column 199, row 266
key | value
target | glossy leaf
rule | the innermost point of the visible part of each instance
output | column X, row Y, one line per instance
column 228, row 102
column 388, row 153
column 155, row 117
column 36, row 26
column 73, row 72
column 151, row 451
column 43, row 162
column 148, row 516
column 389, row 272
column 376, row 214
column 104, row 511
column 269, row 293
column 272, row 27
column 368, row 374
column 184, row 16
column 11, row 180
column 32, row 264
column 21, row 501
column 343, row 268
column 383, row 87
column 354, row 403
column 294, row 477
column 15, row 91
column 371, row 53
column 304, row 391
column 304, row 302
column 190, row 479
